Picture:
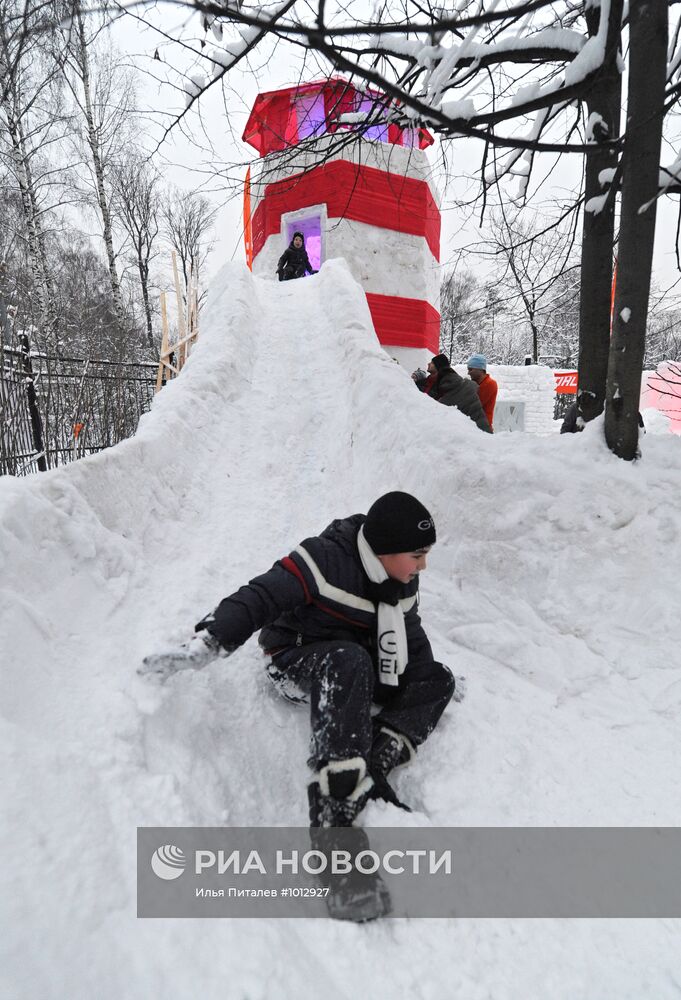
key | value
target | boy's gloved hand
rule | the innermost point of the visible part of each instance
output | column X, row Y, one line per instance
column 459, row 689
column 194, row 654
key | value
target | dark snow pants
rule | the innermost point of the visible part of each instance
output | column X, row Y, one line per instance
column 342, row 683
column 289, row 273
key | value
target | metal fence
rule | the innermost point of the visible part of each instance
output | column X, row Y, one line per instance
column 54, row 410
column 561, row 404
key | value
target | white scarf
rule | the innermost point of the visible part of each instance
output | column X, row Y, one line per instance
column 392, row 635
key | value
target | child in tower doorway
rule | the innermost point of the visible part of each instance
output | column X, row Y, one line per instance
column 294, row 262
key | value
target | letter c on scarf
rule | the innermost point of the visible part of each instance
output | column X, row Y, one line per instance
column 387, row 642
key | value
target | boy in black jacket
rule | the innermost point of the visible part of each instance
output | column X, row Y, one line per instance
column 339, row 619
column 294, row 262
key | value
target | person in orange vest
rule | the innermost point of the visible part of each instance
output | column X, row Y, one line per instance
column 487, row 387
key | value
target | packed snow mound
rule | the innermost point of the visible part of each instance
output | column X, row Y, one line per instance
column 553, row 587
column 655, row 421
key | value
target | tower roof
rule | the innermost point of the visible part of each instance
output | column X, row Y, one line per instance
column 282, row 118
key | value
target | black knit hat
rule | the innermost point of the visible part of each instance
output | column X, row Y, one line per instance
column 440, row 361
column 398, row 522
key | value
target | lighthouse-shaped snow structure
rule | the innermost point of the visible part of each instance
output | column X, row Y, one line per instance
column 367, row 197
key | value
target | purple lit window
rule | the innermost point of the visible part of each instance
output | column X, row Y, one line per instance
column 311, row 115
column 377, row 132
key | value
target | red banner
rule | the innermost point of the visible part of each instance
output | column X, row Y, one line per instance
column 350, row 191
column 405, row 322
column 566, row 382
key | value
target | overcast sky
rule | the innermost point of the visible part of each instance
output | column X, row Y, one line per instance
column 205, row 151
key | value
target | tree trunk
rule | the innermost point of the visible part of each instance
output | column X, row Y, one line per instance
column 5, row 323
column 648, row 30
column 51, row 325
column 144, row 281
column 598, row 233
column 28, row 202
column 93, row 142
column 36, row 422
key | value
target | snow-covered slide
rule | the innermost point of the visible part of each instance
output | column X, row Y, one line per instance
column 553, row 588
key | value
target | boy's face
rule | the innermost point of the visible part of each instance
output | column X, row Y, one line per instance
column 404, row 566
column 297, row 242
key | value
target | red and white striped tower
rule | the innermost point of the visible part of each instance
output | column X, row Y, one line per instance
column 370, row 200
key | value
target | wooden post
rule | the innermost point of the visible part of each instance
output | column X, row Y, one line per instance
column 190, row 313
column 196, row 312
column 36, row 422
column 193, row 306
column 181, row 325
column 190, row 309
column 161, row 377
column 173, row 356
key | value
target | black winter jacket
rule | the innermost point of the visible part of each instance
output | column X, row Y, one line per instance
column 452, row 390
column 319, row 592
column 295, row 260
column 570, row 425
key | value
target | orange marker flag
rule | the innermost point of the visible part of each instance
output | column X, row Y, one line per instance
column 248, row 228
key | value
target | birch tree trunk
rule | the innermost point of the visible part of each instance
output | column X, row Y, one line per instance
column 648, row 31
column 83, row 61
column 37, row 256
column 51, row 321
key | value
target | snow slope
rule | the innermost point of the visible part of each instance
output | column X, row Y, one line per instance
column 554, row 588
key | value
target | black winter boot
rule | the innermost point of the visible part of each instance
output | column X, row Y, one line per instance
column 339, row 792
column 389, row 750
column 337, row 795
column 353, row 894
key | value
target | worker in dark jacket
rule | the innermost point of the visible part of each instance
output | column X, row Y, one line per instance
column 424, row 380
column 570, row 424
column 294, row 262
column 453, row 390
column 339, row 619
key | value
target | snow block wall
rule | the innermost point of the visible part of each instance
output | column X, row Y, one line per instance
column 531, row 386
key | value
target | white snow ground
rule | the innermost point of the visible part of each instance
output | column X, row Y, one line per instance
column 554, row 587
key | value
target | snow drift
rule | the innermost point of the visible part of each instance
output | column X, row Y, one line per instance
column 553, row 588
